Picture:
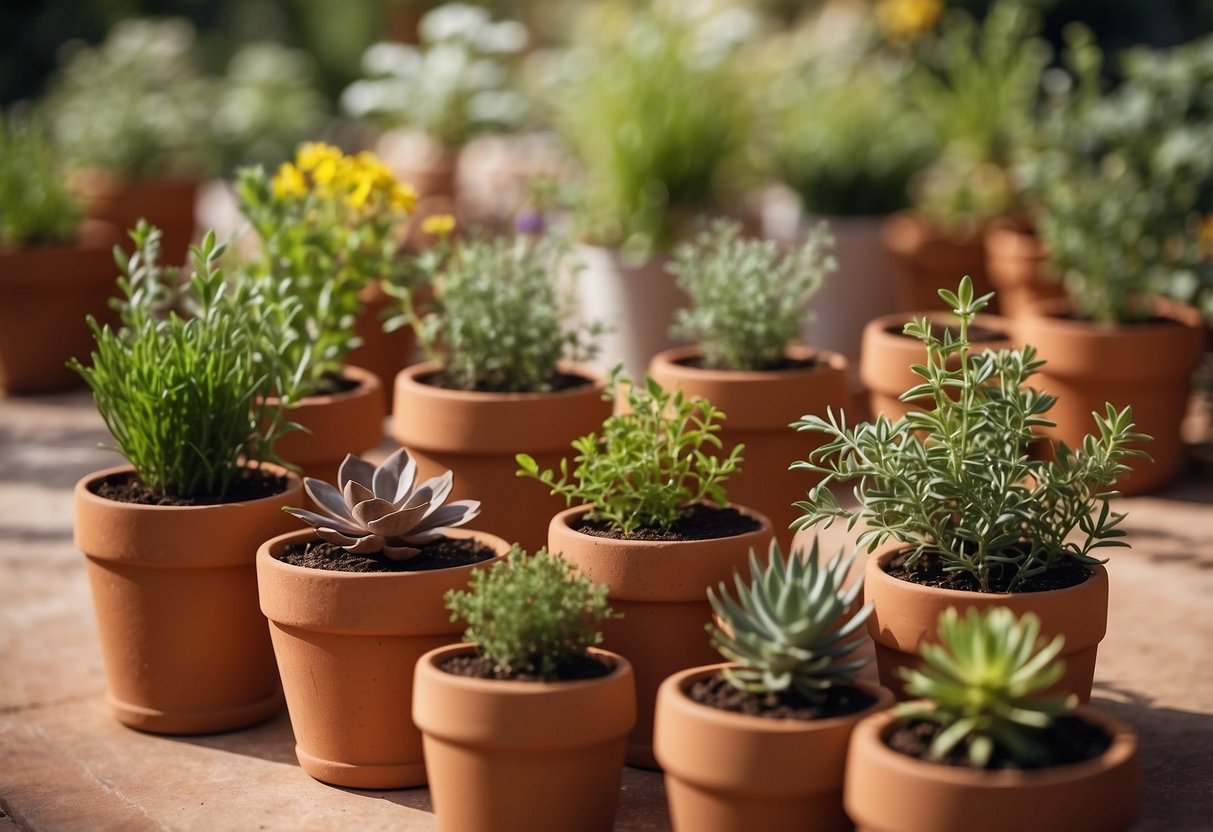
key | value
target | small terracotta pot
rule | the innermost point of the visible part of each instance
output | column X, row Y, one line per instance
column 346, row 644
column 539, row 756
column 175, row 593
column 46, row 292
column 928, row 260
column 383, row 353
column 905, row 615
column 335, row 425
column 760, row 406
column 168, row 204
column 729, row 772
column 888, row 354
column 478, row 435
column 1148, row 366
column 1015, row 263
column 661, row 589
column 887, row 791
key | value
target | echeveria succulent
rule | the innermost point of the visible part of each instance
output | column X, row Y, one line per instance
column 378, row 510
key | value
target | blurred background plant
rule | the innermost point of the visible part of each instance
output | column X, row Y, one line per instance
column 35, row 205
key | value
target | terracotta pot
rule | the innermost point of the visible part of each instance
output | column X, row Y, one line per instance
column 888, row 354
column 887, row 791
column 175, row 592
column 168, row 204
column 760, row 407
column 420, row 161
column 335, row 425
column 46, row 292
column 729, row 772
column 906, row 614
column 346, row 644
column 1148, row 366
column 1015, row 263
column 539, row 756
column 928, row 260
column 660, row 588
column 478, row 434
column 383, row 353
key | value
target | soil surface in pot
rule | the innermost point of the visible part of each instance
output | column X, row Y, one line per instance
column 784, row 364
column 482, row 667
column 443, row 553
column 840, row 700
column 558, row 383
column 977, row 334
column 928, row 571
column 698, row 522
column 333, row 384
column 128, row 488
column 1068, row 740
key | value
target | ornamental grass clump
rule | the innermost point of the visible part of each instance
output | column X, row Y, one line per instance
column 957, row 479
column 35, row 206
column 748, row 297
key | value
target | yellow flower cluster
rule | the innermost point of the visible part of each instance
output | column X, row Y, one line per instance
column 903, row 19
column 438, row 225
column 361, row 180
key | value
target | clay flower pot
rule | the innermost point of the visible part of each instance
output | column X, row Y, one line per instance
column 168, row 204
column 46, row 292
column 760, row 406
column 383, row 353
column 539, row 756
column 478, row 435
column 661, row 589
column 887, row 791
column 906, row 614
column 175, row 593
column 1146, row 365
column 1015, row 263
column 729, row 772
column 346, row 645
column 335, row 424
column 928, row 260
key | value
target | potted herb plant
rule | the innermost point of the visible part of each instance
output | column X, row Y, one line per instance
column 503, row 374
column 650, row 518
column 986, row 747
column 749, row 299
column 524, row 725
column 969, row 518
column 354, row 602
column 760, row 742
column 170, row 539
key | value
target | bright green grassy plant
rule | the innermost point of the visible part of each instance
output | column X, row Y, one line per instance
column 984, row 684
column 531, row 614
column 748, row 297
column 35, row 207
column 648, row 464
column 956, row 479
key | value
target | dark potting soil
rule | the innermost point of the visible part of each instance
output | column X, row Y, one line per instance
column 840, row 700
column 698, row 522
column 928, row 571
column 482, row 667
column 1153, row 320
column 128, row 488
column 977, row 334
column 1067, row 740
column 443, row 553
column 784, row 364
column 333, row 383
column 558, row 383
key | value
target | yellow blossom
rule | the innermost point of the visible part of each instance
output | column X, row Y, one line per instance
column 402, row 197
column 907, row 18
column 362, row 183
column 312, row 154
column 289, row 181
column 439, row 225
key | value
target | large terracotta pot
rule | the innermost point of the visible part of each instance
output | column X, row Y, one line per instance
column 887, row 791
column 760, row 406
column 478, row 435
column 335, row 425
column 730, row 772
column 168, row 204
column 1015, row 263
column 175, row 593
column 46, row 292
column 346, row 644
column 905, row 615
column 661, row 590
column 383, row 353
column 535, row 756
column 928, row 260
column 1148, row 366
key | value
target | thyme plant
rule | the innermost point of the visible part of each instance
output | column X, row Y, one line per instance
column 957, row 479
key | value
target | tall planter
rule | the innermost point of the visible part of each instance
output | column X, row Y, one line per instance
column 168, row 204
column 660, row 587
column 1015, row 262
column 928, row 260
column 478, row 434
column 346, row 645
column 175, row 594
column 335, row 424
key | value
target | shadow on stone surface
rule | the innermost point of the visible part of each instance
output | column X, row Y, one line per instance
column 273, row 741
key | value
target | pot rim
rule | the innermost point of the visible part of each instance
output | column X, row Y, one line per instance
column 367, row 381
column 513, row 687
column 566, row 515
column 408, row 378
column 1052, row 311
column 86, row 494
column 670, row 362
column 881, row 328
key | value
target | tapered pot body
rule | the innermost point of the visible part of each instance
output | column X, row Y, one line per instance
column 174, row 589
column 887, row 791
column 478, row 435
column 729, row 772
column 928, row 260
column 335, row 424
column 383, row 353
column 905, row 615
column 346, row 645
column 168, row 204
column 660, row 587
column 760, row 407
column 539, row 756
column 1015, row 263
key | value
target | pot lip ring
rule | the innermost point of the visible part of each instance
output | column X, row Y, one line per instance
column 83, row 493
column 514, row 688
column 670, row 361
column 567, row 515
column 408, row 380
column 368, row 384
column 1052, row 312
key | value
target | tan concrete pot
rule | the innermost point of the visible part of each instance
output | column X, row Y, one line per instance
column 535, row 756
column 760, row 406
column 660, row 587
column 887, row 791
column 478, row 435
column 175, row 593
column 1015, row 263
column 728, row 772
column 928, row 260
column 335, row 425
column 905, row 615
column 346, row 645
column 168, row 204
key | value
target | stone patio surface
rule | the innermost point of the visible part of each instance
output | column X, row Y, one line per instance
column 66, row 765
